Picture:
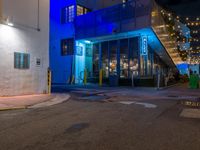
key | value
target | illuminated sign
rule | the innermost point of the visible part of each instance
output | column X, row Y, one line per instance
column 144, row 45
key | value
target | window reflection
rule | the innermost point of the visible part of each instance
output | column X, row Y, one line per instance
column 95, row 60
column 105, row 64
column 134, row 65
column 120, row 57
column 113, row 57
column 124, row 58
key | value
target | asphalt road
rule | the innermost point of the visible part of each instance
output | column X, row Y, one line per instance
column 80, row 124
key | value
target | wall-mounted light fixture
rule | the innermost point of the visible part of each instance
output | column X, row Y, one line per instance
column 10, row 24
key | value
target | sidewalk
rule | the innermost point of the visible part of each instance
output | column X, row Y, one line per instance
column 31, row 101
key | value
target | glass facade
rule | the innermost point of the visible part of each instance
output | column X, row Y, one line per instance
column 133, row 57
column 113, row 57
column 68, row 13
column 105, row 59
column 122, row 57
column 118, row 57
column 95, row 61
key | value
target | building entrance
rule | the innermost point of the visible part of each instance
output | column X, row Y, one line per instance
column 121, row 58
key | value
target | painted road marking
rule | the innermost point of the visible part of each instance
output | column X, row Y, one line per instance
column 146, row 105
column 190, row 113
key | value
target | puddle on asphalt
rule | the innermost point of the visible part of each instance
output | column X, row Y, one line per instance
column 146, row 105
column 77, row 128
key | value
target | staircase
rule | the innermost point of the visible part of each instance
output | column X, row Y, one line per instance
column 161, row 30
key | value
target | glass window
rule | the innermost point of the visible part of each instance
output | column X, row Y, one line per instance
column 124, row 58
column 134, row 63
column 21, row 60
column 71, row 14
column 105, row 64
column 67, row 47
column 82, row 10
column 96, row 60
column 113, row 57
column 68, row 14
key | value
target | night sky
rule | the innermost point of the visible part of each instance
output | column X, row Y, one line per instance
column 182, row 7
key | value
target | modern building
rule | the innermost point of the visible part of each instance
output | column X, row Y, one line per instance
column 188, row 45
column 193, row 53
column 24, row 46
column 128, row 39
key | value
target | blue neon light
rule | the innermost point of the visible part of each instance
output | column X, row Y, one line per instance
column 144, row 45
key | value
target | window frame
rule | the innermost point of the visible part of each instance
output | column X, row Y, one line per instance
column 68, row 16
column 69, row 49
column 21, row 61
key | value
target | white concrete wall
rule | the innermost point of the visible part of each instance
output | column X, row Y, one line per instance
column 0, row 9
column 24, row 38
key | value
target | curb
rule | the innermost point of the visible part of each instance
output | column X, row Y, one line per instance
column 48, row 102
column 14, row 108
column 167, row 87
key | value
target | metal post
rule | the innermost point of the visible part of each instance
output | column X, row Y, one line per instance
column 158, row 79
column 49, row 81
column 132, row 79
column 100, row 77
column 85, row 76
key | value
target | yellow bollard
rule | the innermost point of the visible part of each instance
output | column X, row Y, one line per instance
column 100, row 77
column 72, row 79
column 85, row 76
column 49, row 81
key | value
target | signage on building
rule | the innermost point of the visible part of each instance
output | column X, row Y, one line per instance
column 144, row 46
column 38, row 62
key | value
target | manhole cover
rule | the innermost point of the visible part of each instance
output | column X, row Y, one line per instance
column 77, row 127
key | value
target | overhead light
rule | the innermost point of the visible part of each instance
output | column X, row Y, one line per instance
column 87, row 42
column 10, row 24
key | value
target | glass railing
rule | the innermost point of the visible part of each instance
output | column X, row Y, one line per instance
column 110, row 20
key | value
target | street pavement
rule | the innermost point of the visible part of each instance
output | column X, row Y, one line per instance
column 105, row 119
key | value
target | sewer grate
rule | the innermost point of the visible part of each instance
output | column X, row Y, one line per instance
column 77, row 128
